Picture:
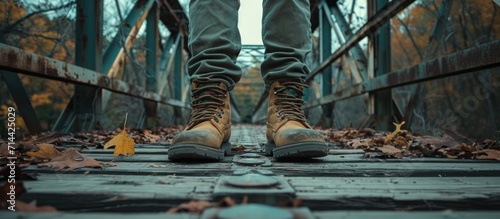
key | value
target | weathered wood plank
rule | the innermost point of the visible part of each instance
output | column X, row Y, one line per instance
column 148, row 150
column 15, row 215
column 340, row 158
column 302, row 169
column 405, row 215
column 318, row 214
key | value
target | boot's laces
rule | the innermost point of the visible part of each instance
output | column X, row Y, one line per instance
column 206, row 104
column 289, row 101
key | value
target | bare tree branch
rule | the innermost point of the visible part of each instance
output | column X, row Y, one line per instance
column 130, row 54
column 22, row 32
column 411, row 37
column 20, row 20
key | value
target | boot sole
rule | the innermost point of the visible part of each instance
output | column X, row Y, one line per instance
column 191, row 151
column 308, row 149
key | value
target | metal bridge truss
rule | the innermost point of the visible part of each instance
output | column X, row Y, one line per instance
column 94, row 70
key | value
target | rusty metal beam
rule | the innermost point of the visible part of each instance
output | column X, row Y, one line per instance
column 384, row 15
column 129, row 29
column 358, row 61
column 85, row 105
column 18, row 60
column 22, row 100
column 152, row 41
column 477, row 58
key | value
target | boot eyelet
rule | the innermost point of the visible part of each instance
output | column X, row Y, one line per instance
column 222, row 112
column 282, row 118
column 276, row 110
column 220, row 115
column 216, row 120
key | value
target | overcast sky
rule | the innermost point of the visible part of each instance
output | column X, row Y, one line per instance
column 249, row 23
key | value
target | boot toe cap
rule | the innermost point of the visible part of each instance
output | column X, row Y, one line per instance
column 295, row 135
column 200, row 137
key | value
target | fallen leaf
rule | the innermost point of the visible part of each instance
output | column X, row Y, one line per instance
column 192, row 206
column 358, row 143
column 467, row 148
column 72, row 159
column 239, row 148
column 45, row 151
column 395, row 133
column 31, row 207
column 391, row 151
column 487, row 154
column 199, row 206
column 151, row 138
column 401, row 142
column 227, row 202
column 436, row 141
column 8, row 193
column 123, row 144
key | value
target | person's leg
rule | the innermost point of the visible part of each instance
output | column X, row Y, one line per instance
column 214, row 42
column 286, row 33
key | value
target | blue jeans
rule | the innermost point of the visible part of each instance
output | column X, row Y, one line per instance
column 214, row 40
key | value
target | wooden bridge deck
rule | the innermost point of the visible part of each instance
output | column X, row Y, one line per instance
column 341, row 185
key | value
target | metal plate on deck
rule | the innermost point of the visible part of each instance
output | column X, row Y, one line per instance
column 250, row 155
column 253, row 184
column 250, row 161
column 252, row 180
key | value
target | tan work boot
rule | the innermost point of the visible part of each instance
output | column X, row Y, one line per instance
column 288, row 134
column 207, row 135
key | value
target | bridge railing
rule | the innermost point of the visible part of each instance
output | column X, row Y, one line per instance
column 94, row 70
column 368, row 67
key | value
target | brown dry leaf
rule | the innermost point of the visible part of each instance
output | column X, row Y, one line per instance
column 239, row 148
column 436, row 141
column 123, row 144
column 391, row 151
column 487, row 154
column 447, row 153
column 31, row 207
column 401, row 142
column 45, row 151
column 4, row 150
column 8, row 193
column 6, row 189
column 227, row 201
column 395, row 133
column 151, row 137
column 71, row 159
column 192, row 206
column 358, row 143
column 466, row 148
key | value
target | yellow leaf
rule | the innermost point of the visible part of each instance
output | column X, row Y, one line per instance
column 391, row 136
column 46, row 151
column 123, row 144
